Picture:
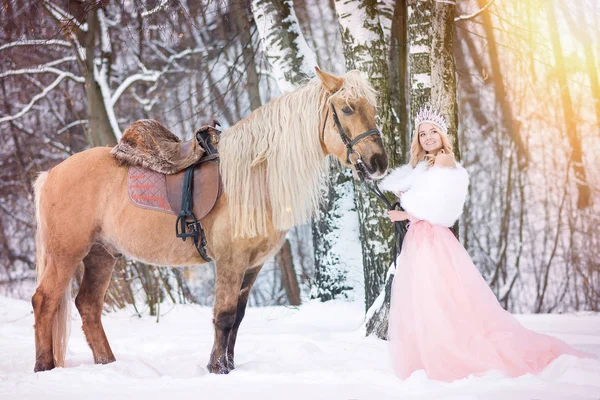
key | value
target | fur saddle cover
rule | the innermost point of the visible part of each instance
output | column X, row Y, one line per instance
column 434, row 194
column 148, row 143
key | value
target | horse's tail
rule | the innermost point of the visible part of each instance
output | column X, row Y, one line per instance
column 61, row 325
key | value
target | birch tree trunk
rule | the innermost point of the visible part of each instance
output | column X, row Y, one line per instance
column 419, row 42
column 377, row 315
column 365, row 49
column 285, row 46
column 431, row 74
column 335, row 229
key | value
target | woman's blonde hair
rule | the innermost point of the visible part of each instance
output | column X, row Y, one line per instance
column 418, row 154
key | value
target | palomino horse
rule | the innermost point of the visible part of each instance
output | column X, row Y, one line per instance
column 272, row 166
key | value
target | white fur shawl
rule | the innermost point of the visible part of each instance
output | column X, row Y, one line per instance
column 434, row 194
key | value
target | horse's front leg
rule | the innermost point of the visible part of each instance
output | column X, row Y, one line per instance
column 228, row 285
column 249, row 279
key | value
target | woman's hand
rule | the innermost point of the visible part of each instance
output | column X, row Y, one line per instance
column 397, row 215
column 444, row 160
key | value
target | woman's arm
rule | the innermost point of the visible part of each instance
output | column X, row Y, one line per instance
column 396, row 215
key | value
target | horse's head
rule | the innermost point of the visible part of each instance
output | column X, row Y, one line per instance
column 348, row 128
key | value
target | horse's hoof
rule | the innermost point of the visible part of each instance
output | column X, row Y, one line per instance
column 219, row 369
column 40, row 366
column 105, row 360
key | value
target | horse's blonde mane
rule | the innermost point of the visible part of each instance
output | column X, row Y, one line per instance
column 272, row 162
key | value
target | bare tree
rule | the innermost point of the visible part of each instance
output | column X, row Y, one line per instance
column 509, row 124
column 584, row 198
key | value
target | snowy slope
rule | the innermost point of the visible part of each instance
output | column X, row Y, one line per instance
column 315, row 352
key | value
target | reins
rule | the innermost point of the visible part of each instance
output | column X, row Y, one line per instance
column 399, row 227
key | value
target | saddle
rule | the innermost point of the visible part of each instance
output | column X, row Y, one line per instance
column 191, row 192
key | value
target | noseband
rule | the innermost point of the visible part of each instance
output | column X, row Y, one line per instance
column 349, row 143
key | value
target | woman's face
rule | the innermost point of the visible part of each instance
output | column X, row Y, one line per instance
column 429, row 137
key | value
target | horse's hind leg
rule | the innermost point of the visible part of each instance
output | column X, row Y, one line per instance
column 99, row 265
column 228, row 284
column 249, row 279
column 51, row 309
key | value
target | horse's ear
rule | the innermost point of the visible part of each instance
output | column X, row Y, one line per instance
column 330, row 82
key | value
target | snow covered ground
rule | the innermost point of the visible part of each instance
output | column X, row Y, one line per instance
column 317, row 351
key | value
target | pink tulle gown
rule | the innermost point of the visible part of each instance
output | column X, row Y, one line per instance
column 445, row 319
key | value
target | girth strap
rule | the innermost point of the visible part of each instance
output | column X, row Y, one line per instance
column 187, row 225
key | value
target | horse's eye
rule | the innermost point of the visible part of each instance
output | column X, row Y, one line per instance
column 347, row 110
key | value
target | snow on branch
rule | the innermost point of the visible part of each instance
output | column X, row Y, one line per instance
column 42, row 69
column 159, row 7
column 60, row 61
column 72, row 124
column 36, row 42
column 36, row 98
column 150, row 75
column 104, row 36
column 63, row 16
column 101, row 78
column 146, row 103
column 475, row 14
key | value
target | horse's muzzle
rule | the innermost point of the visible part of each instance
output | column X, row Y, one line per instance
column 376, row 166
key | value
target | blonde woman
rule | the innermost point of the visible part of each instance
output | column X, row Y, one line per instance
column 444, row 318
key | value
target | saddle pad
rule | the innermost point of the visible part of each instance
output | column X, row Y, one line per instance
column 148, row 189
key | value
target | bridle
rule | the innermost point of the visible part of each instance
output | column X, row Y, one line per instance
column 361, row 171
column 359, row 165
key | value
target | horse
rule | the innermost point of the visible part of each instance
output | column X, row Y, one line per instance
column 272, row 166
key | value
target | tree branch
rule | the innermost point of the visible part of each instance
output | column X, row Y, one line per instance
column 42, row 69
column 466, row 17
column 36, row 42
column 72, row 124
column 39, row 96
column 159, row 7
column 150, row 75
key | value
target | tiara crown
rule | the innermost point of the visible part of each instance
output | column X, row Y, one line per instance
column 429, row 115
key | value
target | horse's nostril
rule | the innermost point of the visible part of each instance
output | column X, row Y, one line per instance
column 379, row 163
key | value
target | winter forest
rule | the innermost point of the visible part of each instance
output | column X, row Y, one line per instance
column 518, row 82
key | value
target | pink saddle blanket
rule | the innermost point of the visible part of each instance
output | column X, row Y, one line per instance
column 148, row 189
